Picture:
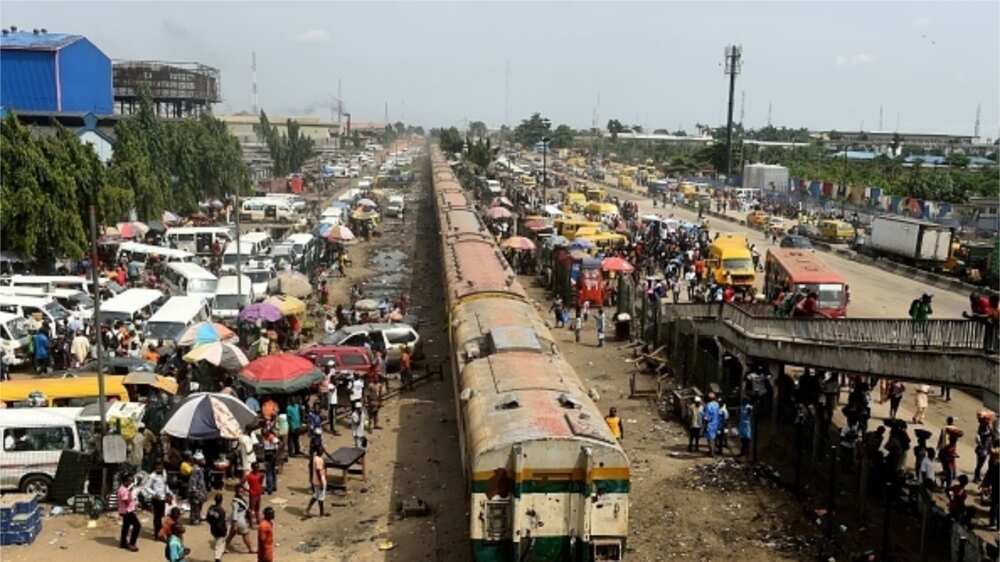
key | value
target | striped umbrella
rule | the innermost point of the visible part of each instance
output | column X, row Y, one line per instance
column 287, row 304
column 205, row 332
column 225, row 356
column 209, row 415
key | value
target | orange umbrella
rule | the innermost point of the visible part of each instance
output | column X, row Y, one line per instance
column 498, row 213
column 518, row 243
column 617, row 264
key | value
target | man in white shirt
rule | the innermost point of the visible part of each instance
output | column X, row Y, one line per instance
column 329, row 326
column 331, row 394
column 80, row 349
column 357, row 390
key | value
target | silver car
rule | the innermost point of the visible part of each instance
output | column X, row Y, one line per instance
column 388, row 338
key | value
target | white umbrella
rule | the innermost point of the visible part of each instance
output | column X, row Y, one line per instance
column 206, row 415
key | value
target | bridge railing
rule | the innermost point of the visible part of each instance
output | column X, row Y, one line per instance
column 756, row 320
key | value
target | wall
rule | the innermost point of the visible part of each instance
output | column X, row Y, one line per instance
column 27, row 80
column 85, row 77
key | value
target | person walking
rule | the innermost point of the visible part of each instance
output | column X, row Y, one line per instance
column 175, row 550
column 265, row 537
column 216, row 518
column 331, row 394
column 271, row 443
column 40, row 344
column 126, row 511
column 920, row 311
column 293, row 412
column 577, row 326
column 255, row 490
column 615, row 424
column 921, row 398
column 984, row 440
column 896, row 390
column 710, row 421
column 694, row 427
column 745, row 427
column 601, row 322
column 197, row 488
column 358, row 426
column 239, row 520
column 158, row 491
column 405, row 368
column 317, row 481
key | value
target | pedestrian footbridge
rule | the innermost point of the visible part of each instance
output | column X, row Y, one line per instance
column 939, row 352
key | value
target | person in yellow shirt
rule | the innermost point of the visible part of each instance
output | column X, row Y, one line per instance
column 615, row 423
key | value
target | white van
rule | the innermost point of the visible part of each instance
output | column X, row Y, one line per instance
column 264, row 279
column 72, row 300
column 130, row 306
column 175, row 316
column 297, row 202
column 306, row 246
column 14, row 337
column 396, row 206
column 135, row 252
column 267, row 209
column 197, row 239
column 190, row 279
column 28, row 307
column 77, row 282
column 33, row 442
column 228, row 298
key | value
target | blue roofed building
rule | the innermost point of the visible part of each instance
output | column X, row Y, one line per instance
column 53, row 72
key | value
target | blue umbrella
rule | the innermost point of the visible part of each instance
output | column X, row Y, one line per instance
column 581, row 244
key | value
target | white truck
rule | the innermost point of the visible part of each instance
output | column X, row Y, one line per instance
column 910, row 240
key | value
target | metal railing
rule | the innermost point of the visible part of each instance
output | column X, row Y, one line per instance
column 757, row 321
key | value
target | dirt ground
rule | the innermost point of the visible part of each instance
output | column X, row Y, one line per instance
column 414, row 455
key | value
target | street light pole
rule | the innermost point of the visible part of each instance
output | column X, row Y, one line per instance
column 545, row 176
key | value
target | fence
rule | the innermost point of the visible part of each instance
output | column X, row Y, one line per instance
column 757, row 320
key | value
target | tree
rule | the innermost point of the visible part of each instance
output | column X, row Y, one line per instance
column 400, row 127
column 480, row 153
column 532, row 130
column 562, row 137
column 614, row 127
column 637, row 129
column 680, row 133
column 957, row 160
column 477, row 129
column 451, row 140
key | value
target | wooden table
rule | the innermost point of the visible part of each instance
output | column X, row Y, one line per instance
column 344, row 458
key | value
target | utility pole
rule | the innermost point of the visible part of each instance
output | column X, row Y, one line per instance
column 881, row 114
column 99, row 344
column 253, row 90
column 239, row 250
column 979, row 114
column 733, row 55
column 769, row 107
column 545, row 177
column 743, row 107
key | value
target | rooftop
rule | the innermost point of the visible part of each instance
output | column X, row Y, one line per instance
column 36, row 40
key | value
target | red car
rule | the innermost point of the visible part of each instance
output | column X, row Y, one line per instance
column 349, row 359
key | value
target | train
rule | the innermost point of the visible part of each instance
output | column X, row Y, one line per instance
column 546, row 479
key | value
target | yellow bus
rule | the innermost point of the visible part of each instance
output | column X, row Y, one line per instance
column 63, row 392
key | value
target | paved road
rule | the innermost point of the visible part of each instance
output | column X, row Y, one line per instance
column 875, row 293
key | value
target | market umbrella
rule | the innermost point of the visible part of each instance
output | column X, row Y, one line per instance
column 209, row 415
column 617, row 264
column 365, row 202
column 581, row 244
column 260, row 311
column 205, row 332
column 366, row 304
column 156, row 226
column 537, row 224
column 110, row 231
column 339, row 233
column 169, row 218
column 552, row 210
column 518, row 243
column 288, row 305
column 498, row 213
column 281, row 373
column 294, row 284
column 166, row 384
column 501, row 201
column 216, row 204
column 134, row 229
column 225, row 356
column 554, row 241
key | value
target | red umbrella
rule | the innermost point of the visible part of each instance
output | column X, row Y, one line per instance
column 518, row 243
column 501, row 202
column 281, row 373
column 536, row 224
column 498, row 213
column 617, row 264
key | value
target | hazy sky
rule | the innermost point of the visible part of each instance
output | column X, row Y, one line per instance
column 821, row 64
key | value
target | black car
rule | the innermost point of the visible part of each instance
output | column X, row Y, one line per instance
column 795, row 241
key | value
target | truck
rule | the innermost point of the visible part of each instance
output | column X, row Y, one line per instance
column 910, row 240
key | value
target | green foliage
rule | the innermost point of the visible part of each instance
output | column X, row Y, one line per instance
column 290, row 150
column 477, row 129
column 562, row 137
column 532, row 130
column 451, row 140
column 480, row 153
column 614, row 127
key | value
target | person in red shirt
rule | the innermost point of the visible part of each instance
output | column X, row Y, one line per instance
column 728, row 294
column 255, row 488
column 265, row 537
column 809, row 307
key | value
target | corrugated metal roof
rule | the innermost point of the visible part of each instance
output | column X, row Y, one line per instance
column 30, row 41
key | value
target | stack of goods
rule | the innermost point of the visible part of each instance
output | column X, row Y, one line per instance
column 20, row 519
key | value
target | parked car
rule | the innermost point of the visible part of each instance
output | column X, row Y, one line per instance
column 756, row 218
column 807, row 230
column 388, row 338
column 349, row 359
column 396, row 206
column 796, row 241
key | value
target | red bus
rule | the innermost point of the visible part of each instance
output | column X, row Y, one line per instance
column 802, row 269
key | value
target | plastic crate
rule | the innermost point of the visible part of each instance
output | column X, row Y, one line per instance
column 21, row 521
column 15, row 504
column 26, row 536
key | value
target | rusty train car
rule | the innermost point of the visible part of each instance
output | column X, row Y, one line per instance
column 546, row 478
